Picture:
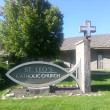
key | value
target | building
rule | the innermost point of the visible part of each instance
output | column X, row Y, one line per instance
column 100, row 51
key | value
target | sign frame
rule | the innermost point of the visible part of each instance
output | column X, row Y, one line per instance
column 38, row 85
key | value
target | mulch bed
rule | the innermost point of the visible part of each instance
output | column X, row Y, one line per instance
column 54, row 91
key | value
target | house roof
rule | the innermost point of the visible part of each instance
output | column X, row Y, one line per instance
column 97, row 42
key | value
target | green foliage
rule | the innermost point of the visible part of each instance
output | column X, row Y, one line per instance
column 31, row 28
column 59, row 62
column 3, row 70
column 2, row 81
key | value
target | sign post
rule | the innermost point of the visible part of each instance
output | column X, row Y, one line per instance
column 85, row 61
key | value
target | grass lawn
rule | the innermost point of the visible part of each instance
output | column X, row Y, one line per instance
column 101, row 71
column 100, row 84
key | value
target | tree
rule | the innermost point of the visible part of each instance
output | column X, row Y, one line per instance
column 31, row 29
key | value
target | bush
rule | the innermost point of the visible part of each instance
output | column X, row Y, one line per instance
column 59, row 62
column 3, row 70
column 2, row 81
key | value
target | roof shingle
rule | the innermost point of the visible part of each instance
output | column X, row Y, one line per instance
column 97, row 41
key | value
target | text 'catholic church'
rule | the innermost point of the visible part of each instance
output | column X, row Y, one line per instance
column 100, row 51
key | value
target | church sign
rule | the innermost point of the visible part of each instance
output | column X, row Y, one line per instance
column 37, row 74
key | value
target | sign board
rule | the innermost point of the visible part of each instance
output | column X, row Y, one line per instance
column 37, row 74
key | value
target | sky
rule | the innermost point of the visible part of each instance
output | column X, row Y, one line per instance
column 77, row 11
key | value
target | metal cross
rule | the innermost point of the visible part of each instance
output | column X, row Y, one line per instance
column 87, row 29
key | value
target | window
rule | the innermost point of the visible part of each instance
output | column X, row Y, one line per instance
column 100, row 61
column 100, row 58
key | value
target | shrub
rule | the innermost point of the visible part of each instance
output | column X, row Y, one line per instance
column 3, row 70
column 2, row 81
column 59, row 62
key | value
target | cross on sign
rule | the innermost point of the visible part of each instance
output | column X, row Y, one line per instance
column 87, row 29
